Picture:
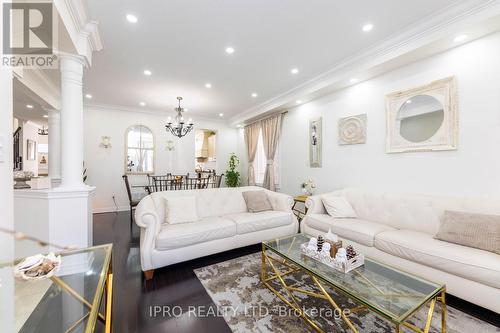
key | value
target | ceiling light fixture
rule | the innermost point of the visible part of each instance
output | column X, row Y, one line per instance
column 208, row 85
column 29, row 106
column 142, row 104
column 368, row 27
column 45, row 115
column 147, row 72
column 239, row 126
column 353, row 80
column 298, row 101
column 254, row 95
column 178, row 129
column 131, row 18
column 221, row 114
column 460, row 38
column 294, row 70
column 88, row 96
column 229, row 50
column 43, row 131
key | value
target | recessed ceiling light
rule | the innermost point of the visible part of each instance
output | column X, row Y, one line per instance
column 29, row 106
column 254, row 95
column 45, row 115
column 131, row 18
column 408, row 101
column 221, row 114
column 88, row 96
column 298, row 101
column 354, row 80
column 368, row 27
column 142, row 104
column 208, row 85
column 239, row 126
column 230, row 50
column 294, row 70
column 460, row 38
column 147, row 72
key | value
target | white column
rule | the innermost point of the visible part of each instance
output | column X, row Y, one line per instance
column 71, row 67
column 54, row 145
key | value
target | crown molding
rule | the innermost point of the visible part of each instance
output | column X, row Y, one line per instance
column 148, row 111
column 83, row 32
column 383, row 56
column 38, row 85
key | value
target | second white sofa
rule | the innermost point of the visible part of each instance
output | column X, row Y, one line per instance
column 399, row 230
column 224, row 224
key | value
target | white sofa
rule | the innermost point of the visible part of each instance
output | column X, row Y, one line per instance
column 224, row 224
column 398, row 230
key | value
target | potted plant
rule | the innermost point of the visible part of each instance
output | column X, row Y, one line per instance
column 233, row 178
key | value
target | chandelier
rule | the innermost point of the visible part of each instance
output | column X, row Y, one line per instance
column 179, row 128
column 43, row 131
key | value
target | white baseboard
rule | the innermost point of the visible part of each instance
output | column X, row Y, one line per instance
column 110, row 209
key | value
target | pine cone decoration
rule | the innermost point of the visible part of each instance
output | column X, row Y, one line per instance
column 351, row 253
column 320, row 242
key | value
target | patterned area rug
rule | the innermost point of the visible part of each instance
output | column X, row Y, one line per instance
column 248, row 306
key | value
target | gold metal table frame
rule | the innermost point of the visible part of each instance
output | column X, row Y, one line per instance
column 439, row 296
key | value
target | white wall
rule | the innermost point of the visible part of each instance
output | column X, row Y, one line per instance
column 472, row 170
column 105, row 167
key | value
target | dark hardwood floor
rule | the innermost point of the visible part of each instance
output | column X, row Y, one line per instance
column 176, row 286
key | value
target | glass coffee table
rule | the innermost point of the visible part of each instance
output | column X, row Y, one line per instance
column 389, row 292
column 78, row 298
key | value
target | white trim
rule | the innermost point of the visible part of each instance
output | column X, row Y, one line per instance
column 83, row 32
column 149, row 111
column 101, row 210
column 405, row 47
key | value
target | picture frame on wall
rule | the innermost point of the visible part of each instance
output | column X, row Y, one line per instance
column 31, row 150
column 315, row 143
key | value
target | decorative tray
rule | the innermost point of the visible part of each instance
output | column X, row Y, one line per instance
column 345, row 267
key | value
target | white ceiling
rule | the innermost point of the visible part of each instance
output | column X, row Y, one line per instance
column 183, row 41
column 22, row 97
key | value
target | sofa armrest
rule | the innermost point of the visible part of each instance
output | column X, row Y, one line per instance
column 314, row 205
column 279, row 201
column 148, row 220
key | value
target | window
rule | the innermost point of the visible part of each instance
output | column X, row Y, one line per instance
column 260, row 163
column 139, row 150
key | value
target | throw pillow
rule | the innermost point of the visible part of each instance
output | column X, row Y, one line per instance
column 474, row 230
column 180, row 210
column 338, row 206
column 257, row 201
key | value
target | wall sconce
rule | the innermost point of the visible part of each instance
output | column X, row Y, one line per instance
column 170, row 146
column 105, row 142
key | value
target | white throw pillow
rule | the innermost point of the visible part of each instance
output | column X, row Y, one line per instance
column 338, row 207
column 180, row 210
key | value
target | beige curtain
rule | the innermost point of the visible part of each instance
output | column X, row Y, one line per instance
column 271, row 131
column 251, row 140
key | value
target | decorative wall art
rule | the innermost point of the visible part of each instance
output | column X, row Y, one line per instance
column 31, row 149
column 315, row 143
column 424, row 118
column 352, row 130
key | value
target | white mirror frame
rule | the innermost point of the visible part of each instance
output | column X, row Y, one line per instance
column 319, row 137
column 446, row 138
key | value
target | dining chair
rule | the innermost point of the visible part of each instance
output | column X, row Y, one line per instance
column 133, row 203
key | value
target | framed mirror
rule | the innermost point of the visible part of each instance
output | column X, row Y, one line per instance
column 139, row 150
column 315, row 143
column 423, row 118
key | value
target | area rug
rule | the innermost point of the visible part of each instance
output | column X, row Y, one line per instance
column 248, row 306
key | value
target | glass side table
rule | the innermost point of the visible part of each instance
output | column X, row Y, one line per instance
column 78, row 298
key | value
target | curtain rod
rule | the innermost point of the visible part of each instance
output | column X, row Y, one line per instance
column 267, row 117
